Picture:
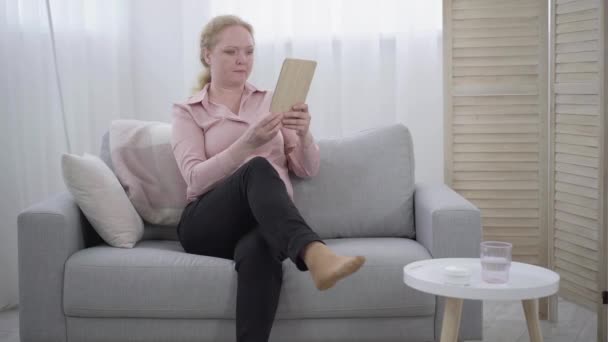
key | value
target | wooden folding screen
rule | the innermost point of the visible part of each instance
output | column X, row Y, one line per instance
column 578, row 151
column 495, row 54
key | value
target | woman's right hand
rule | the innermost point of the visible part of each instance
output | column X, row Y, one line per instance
column 263, row 130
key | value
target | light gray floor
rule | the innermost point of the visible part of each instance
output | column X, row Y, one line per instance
column 503, row 321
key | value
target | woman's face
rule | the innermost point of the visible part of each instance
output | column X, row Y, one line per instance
column 231, row 60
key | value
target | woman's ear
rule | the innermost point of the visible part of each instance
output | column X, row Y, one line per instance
column 206, row 56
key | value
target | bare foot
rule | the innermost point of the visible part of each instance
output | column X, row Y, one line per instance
column 326, row 276
column 326, row 267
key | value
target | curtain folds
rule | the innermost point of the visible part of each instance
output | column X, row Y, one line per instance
column 379, row 62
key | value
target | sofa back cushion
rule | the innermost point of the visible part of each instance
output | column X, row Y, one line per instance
column 364, row 188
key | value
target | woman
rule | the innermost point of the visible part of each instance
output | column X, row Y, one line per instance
column 234, row 156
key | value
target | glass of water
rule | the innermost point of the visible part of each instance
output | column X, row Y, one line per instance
column 495, row 261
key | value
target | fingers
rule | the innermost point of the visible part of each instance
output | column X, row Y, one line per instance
column 275, row 130
column 270, row 129
column 297, row 114
column 296, row 122
column 269, row 118
column 275, row 122
column 301, row 107
column 269, row 121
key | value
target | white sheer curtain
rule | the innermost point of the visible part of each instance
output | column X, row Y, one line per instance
column 379, row 62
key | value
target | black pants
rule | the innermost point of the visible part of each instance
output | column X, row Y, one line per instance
column 250, row 218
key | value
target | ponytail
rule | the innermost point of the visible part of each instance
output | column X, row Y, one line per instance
column 203, row 78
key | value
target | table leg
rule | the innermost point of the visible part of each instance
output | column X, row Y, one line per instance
column 451, row 319
column 531, row 312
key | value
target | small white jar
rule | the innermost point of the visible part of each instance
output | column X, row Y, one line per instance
column 457, row 275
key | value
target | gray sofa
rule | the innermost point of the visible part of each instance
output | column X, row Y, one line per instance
column 74, row 287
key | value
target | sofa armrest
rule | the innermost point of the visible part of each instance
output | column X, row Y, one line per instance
column 49, row 232
column 446, row 223
column 449, row 226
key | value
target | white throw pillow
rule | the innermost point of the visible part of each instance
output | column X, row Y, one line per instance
column 102, row 199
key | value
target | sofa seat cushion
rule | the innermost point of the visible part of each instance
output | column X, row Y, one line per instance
column 158, row 279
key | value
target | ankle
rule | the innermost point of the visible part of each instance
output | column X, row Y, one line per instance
column 313, row 251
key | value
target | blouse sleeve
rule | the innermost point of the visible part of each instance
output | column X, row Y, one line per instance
column 188, row 143
column 302, row 159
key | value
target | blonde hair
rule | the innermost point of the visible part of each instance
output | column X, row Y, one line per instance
column 208, row 40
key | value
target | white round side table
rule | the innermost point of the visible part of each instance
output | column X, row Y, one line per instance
column 526, row 283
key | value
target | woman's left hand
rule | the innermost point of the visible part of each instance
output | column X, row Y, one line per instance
column 298, row 119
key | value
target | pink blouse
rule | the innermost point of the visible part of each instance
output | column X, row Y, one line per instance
column 203, row 134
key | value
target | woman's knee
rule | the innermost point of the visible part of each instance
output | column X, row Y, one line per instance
column 253, row 249
column 256, row 169
column 260, row 164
